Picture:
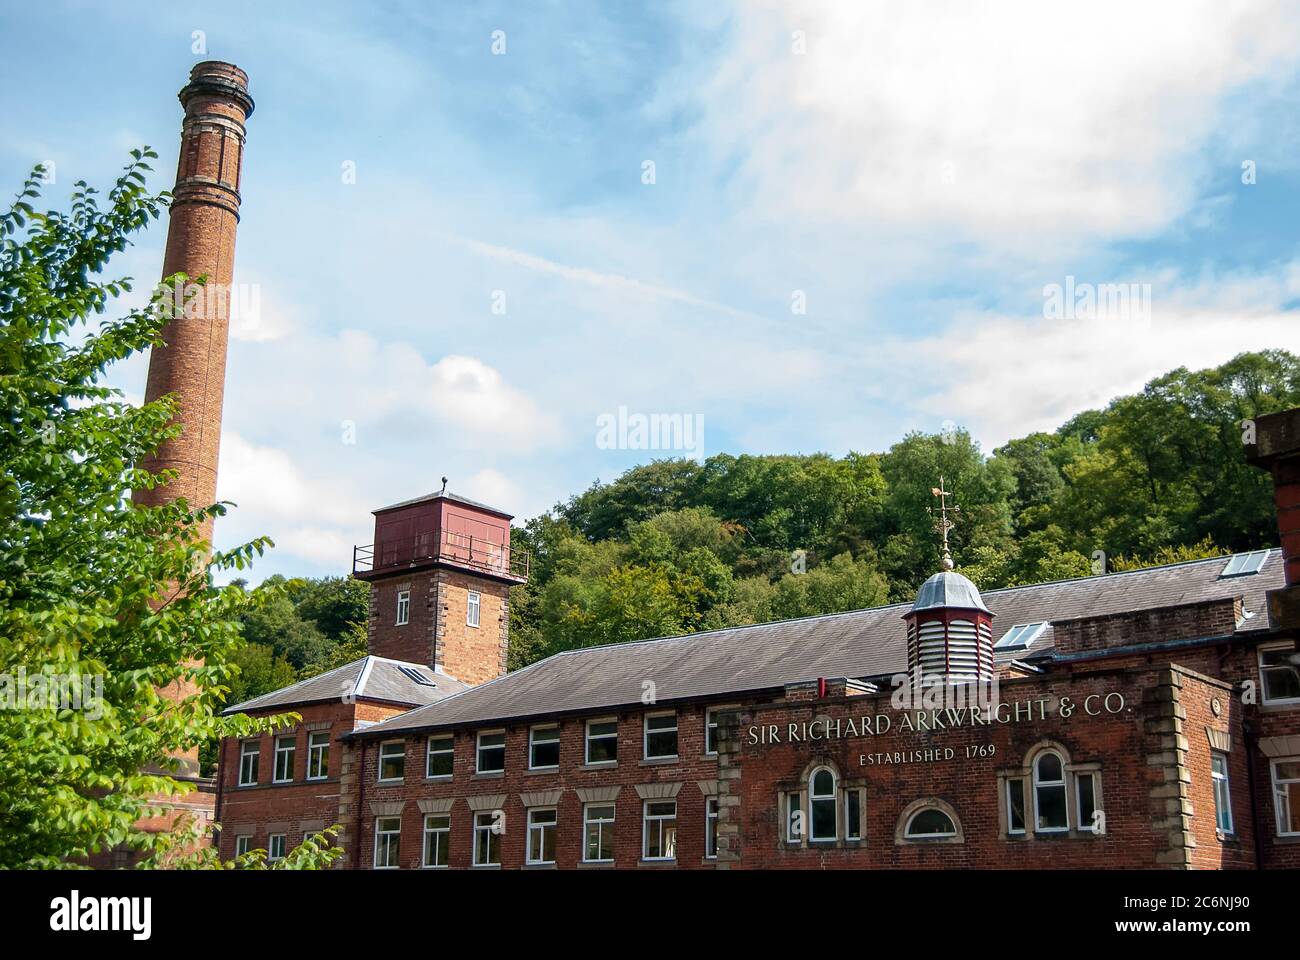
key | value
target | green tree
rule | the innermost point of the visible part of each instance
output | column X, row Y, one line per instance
column 97, row 594
column 334, row 605
column 260, row 671
column 982, row 488
column 834, row 587
column 275, row 622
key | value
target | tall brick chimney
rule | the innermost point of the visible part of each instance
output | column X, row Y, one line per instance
column 200, row 241
column 1277, row 450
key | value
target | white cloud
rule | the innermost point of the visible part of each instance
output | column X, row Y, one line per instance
column 314, row 518
column 493, row 488
column 266, row 481
column 1056, row 125
column 317, row 383
column 258, row 314
column 609, row 282
column 1003, row 376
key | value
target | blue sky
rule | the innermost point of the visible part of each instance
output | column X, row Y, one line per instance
column 916, row 173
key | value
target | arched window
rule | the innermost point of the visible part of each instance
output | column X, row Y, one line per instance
column 821, row 804
column 929, row 823
column 1051, row 808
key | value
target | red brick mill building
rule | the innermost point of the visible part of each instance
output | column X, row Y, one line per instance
column 1147, row 719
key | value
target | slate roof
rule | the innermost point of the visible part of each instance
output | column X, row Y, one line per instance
column 860, row 643
column 370, row 678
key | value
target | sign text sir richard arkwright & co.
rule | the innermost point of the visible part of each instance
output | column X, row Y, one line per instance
column 928, row 721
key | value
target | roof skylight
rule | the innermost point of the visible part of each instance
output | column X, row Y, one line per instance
column 1020, row 636
column 1244, row 564
column 412, row 674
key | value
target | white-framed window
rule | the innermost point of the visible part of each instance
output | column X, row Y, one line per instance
column 601, row 741
column 392, row 761
column 929, row 823
column 1286, row 795
column 1085, row 789
column 403, row 608
column 487, row 838
column 388, row 843
column 821, row 805
column 1279, row 672
column 437, row 840
column 243, row 844
column 473, row 604
column 1222, row 793
column 660, row 738
column 852, row 814
column 1051, row 812
column 440, row 758
column 541, row 835
column 659, row 830
column 491, row 754
column 711, row 828
column 249, row 758
column 544, row 748
column 285, row 748
column 318, row 755
column 598, row 833
column 275, row 847
column 1015, row 805
column 710, row 733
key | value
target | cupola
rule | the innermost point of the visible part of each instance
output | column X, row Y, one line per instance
column 949, row 629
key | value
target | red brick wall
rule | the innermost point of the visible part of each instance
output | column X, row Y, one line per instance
column 970, row 786
column 414, row 640
column 1197, row 698
column 437, row 634
column 1213, row 618
column 693, row 766
column 284, row 808
column 1154, row 756
column 472, row 654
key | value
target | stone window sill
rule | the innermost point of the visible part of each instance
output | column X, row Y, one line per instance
column 493, row 775
column 659, row 761
column 602, row 765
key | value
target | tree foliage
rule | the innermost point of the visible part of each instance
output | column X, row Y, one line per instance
column 676, row 546
column 98, row 596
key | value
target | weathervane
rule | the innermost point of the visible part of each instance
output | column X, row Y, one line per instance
column 942, row 525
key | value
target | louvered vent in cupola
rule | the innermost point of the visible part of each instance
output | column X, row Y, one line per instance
column 949, row 631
